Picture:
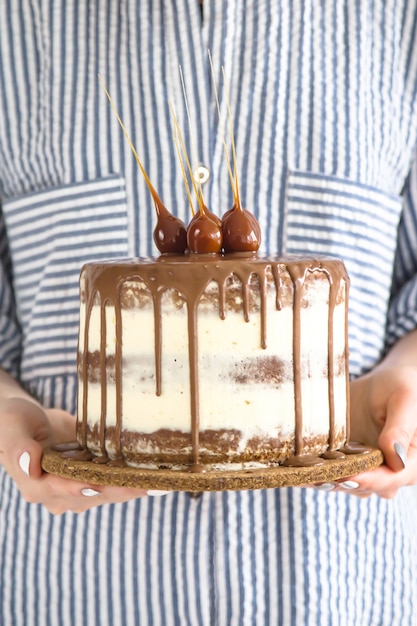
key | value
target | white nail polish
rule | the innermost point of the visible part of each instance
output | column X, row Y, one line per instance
column 24, row 462
column 157, row 492
column 349, row 484
column 325, row 487
column 401, row 453
column 89, row 492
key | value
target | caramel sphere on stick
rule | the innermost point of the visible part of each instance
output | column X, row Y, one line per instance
column 241, row 231
column 204, row 234
column 170, row 233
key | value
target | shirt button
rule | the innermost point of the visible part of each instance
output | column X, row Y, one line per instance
column 201, row 174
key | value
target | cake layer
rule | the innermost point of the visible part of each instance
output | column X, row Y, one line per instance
column 218, row 447
column 234, row 358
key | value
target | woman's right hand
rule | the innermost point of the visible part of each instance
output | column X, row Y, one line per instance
column 26, row 430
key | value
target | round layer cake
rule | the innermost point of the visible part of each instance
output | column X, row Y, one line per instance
column 213, row 361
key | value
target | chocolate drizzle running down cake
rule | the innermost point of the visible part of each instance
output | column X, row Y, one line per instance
column 213, row 361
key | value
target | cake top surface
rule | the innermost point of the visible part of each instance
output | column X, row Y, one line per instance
column 231, row 259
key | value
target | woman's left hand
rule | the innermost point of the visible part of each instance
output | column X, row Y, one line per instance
column 384, row 415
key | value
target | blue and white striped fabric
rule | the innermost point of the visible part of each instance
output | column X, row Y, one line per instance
column 68, row 225
column 324, row 104
column 336, row 216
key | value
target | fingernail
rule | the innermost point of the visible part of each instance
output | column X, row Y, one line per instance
column 24, row 462
column 89, row 492
column 157, row 492
column 325, row 487
column 349, row 484
column 401, row 453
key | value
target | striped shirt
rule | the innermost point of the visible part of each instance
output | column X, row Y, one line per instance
column 324, row 105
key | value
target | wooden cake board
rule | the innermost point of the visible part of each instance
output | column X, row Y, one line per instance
column 54, row 462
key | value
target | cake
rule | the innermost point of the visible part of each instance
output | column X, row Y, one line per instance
column 212, row 356
column 213, row 361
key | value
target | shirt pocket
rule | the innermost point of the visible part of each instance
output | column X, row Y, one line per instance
column 51, row 234
column 327, row 215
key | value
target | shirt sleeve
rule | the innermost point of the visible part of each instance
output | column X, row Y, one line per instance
column 402, row 314
column 10, row 335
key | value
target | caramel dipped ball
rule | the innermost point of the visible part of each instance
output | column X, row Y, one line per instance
column 241, row 231
column 170, row 233
column 210, row 215
column 204, row 234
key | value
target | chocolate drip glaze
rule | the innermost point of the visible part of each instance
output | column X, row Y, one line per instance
column 298, row 274
column 190, row 275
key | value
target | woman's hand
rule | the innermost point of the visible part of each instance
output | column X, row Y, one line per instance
column 26, row 429
column 384, row 415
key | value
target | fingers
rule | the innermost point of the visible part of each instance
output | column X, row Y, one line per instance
column 348, row 486
column 399, row 428
column 29, row 455
column 63, row 424
column 26, row 429
column 21, row 457
column 385, row 414
column 60, row 495
column 381, row 481
column 385, row 482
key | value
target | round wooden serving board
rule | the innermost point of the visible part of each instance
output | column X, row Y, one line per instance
column 211, row 480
